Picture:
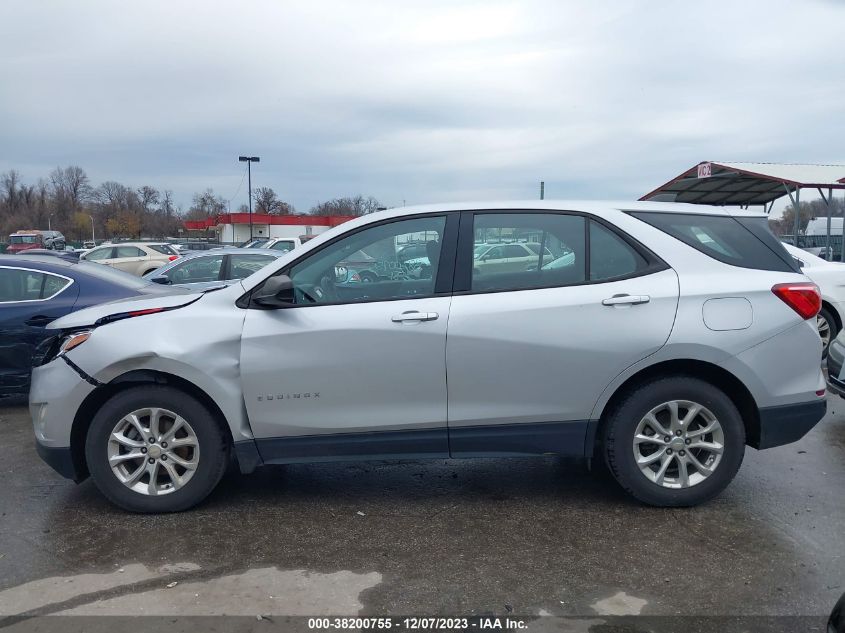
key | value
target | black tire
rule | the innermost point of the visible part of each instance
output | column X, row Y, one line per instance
column 831, row 322
column 368, row 277
column 621, row 426
column 147, row 272
column 213, row 449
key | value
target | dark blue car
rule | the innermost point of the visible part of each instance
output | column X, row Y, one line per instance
column 35, row 290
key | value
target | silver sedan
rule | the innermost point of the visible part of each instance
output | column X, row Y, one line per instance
column 218, row 267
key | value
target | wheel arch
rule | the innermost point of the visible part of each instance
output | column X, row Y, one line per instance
column 92, row 403
column 719, row 377
column 837, row 318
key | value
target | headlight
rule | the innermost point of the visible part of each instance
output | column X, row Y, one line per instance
column 73, row 340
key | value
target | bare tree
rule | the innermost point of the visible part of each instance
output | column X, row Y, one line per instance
column 205, row 205
column 354, row 205
column 266, row 201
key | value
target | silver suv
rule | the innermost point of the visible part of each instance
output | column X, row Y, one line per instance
column 667, row 339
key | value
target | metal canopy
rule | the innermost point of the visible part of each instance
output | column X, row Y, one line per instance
column 724, row 183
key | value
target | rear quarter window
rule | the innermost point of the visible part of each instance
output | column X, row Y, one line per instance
column 746, row 242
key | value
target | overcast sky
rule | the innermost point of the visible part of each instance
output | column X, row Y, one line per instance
column 417, row 101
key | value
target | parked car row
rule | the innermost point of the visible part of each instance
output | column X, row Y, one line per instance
column 653, row 340
column 830, row 278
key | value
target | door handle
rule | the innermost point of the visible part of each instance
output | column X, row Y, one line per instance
column 40, row 320
column 413, row 315
column 617, row 300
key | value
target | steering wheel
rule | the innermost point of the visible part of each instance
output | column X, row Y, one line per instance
column 325, row 290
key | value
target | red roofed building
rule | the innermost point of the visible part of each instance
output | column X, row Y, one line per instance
column 234, row 227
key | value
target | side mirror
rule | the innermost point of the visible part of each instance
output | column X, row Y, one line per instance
column 276, row 292
column 160, row 279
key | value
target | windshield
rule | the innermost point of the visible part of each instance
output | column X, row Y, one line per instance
column 24, row 239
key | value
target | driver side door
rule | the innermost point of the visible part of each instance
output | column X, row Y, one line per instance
column 352, row 369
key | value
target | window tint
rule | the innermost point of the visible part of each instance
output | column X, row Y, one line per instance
column 610, row 255
column 129, row 251
column 27, row 285
column 744, row 242
column 283, row 246
column 515, row 251
column 196, row 270
column 366, row 266
column 53, row 285
column 560, row 238
column 99, row 253
column 164, row 249
column 242, row 266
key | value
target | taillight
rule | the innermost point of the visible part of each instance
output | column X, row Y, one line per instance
column 803, row 297
column 172, row 257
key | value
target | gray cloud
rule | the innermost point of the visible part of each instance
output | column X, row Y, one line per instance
column 421, row 101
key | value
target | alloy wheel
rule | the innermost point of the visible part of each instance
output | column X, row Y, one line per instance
column 824, row 330
column 153, row 451
column 678, row 444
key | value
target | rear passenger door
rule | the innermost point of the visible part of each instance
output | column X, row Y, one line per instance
column 130, row 259
column 530, row 350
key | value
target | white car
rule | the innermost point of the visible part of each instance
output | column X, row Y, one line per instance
column 283, row 244
column 830, row 278
column 137, row 258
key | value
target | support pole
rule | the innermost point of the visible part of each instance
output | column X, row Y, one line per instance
column 249, row 185
column 828, row 254
column 842, row 252
column 797, row 224
column 542, row 190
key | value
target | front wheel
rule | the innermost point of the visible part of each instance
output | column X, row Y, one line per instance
column 674, row 442
column 155, row 449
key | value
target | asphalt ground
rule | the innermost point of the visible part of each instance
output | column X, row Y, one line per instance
column 505, row 537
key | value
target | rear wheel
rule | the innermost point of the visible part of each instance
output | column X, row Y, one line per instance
column 155, row 449
column 674, row 442
column 826, row 325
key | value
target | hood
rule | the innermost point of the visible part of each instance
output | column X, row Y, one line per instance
column 89, row 316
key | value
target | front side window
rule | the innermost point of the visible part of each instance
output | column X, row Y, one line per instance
column 196, row 270
column 366, row 266
column 29, row 285
column 242, row 266
column 544, row 249
column 99, row 254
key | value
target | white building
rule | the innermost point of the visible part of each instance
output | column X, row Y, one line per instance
column 233, row 228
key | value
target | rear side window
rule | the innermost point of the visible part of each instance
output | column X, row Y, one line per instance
column 283, row 246
column 129, row 251
column 164, row 249
column 29, row 285
column 610, row 256
column 744, row 242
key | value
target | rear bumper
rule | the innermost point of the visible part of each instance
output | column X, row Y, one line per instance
column 787, row 423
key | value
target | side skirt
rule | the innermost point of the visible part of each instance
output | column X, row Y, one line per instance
column 500, row 440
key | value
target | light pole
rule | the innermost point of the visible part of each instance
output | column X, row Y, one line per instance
column 249, row 160
column 93, row 241
column 49, row 222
